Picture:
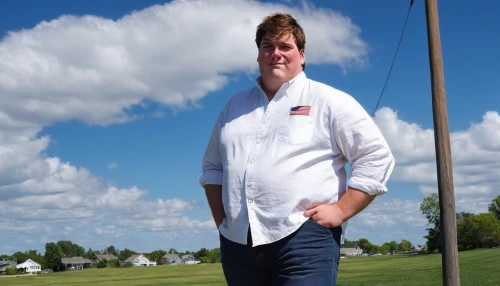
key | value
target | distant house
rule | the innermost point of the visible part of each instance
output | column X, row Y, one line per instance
column 139, row 260
column 6, row 264
column 108, row 257
column 189, row 259
column 76, row 263
column 416, row 247
column 350, row 251
column 30, row 266
column 171, row 258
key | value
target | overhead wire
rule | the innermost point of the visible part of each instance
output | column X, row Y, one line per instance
column 394, row 59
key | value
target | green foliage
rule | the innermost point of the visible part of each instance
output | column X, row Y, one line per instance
column 208, row 256
column 156, row 255
column 391, row 247
column 102, row 263
column 487, row 230
column 201, row 253
column 53, row 256
column 11, row 271
column 111, row 250
column 349, row 244
column 363, row 242
column 465, row 231
column 404, row 245
column 90, row 254
column 494, row 207
column 473, row 231
column 21, row 257
column 126, row 253
column 430, row 208
column 70, row 249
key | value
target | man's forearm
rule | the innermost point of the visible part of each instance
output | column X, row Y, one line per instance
column 354, row 201
column 214, row 197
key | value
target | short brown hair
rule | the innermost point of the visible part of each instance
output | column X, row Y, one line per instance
column 280, row 25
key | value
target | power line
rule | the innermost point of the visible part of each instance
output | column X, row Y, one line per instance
column 394, row 59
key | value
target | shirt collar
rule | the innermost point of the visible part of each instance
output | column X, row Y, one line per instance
column 285, row 86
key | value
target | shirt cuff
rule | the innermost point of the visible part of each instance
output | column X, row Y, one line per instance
column 212, row 177
column 367, row 185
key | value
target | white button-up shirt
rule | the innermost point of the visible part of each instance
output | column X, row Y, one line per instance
column 275, row 159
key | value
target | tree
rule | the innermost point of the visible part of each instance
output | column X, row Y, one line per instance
column 371, row 248
column 494, row 207
column 90, row 254
column 19, row 257
column 102, row 263
column 53, row 256
column 404, row 245
column 172, row 251
column 362, row 242
column 111, row 250
column 70, row 249
column 392, row 246
column 487, row 230
column 349, row 244
column 430, row 208
column 126, row 253
column 201, row 253
column 156, row 255
column 465, row 231
column 214, row 255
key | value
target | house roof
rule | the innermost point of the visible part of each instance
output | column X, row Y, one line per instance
column 26, row 263
column 349, row 250
column 132, row 258
column 75, row 260
column 108, row 257
column 171, row 255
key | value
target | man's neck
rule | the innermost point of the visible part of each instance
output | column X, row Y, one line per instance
column 269, row 92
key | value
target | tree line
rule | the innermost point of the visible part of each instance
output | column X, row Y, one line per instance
column 55, row 252
column 480, row 230
column 388, row 247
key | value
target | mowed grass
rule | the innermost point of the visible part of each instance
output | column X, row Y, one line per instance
column 478, row 267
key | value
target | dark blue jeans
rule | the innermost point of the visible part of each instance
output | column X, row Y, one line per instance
column 309, row 256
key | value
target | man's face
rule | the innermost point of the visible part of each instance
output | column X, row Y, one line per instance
column 279, row 59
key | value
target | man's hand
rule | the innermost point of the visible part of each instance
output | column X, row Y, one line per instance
column 333, row 215
column 328, row 215
column 214, row 197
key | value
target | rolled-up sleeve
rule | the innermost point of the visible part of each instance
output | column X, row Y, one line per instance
column 212, row 164
column 363, row 145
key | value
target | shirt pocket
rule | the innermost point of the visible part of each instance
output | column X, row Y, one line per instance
column 296, row 130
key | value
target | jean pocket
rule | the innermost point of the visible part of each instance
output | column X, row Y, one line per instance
column 317, row 224
column 296, row 130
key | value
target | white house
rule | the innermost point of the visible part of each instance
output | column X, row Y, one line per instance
column 189, row 259
column 139, row 260
column 171, row 258
column 30, row 266
column 351, row 251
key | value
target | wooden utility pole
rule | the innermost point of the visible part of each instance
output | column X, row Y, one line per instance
column 449, row 247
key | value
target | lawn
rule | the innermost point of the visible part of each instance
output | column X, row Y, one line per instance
column 478, row 267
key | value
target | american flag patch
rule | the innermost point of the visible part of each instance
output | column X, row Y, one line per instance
column 300, row 110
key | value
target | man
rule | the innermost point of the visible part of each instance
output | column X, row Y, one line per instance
column 274, row 174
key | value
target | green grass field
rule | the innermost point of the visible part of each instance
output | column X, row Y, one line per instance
column 478, row 267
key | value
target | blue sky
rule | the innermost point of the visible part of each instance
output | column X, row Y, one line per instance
column 106, row 113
